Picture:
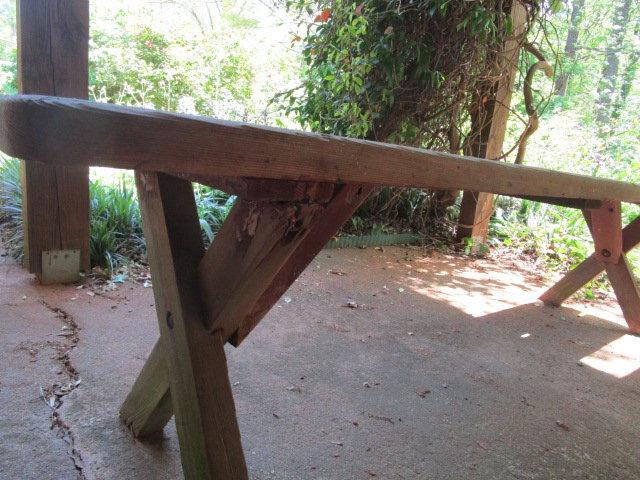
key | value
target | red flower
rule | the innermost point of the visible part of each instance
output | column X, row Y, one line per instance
column 324, row 16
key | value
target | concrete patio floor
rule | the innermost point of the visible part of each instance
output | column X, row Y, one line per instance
column 447, row 369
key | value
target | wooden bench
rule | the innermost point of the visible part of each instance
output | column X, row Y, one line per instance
column 295, row 190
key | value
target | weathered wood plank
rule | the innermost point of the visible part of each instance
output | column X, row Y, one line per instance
column 53, row 39
column 201, row 396
column 148, row 408
column 256, row 240
column 564, row 202
column 266, row 189
column 624, row 285
column 589, row 269
column 262, row 260
column 327, row 223
column 606, row 228
column 86, row 133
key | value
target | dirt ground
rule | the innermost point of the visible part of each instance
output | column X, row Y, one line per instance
column 446, row 369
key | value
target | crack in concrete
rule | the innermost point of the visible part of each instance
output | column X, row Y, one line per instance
column 53, row 394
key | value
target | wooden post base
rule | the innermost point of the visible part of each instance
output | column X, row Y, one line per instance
column 612, row 245
column 206, row 299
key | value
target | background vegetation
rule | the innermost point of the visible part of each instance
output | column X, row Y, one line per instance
column 374, row 69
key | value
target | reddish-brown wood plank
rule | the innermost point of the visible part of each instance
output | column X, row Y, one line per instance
column 589, row 269
column 624, row 285
column 606, row 228
column 53, row 39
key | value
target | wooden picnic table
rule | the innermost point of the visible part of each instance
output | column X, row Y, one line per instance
column 295, row 190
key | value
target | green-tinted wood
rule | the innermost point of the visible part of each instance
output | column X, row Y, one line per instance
column 202, row 400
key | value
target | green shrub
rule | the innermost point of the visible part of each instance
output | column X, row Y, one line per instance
column 11, row 231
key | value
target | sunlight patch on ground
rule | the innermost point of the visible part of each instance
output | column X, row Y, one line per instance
column 475, row 291
column 618, row 358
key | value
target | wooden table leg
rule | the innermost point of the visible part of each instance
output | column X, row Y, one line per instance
column 259, row 252
column 611, row 243
column 575, row 279
column 626, row 290
column 195, row 361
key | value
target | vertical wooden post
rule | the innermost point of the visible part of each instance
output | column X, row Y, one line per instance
column 200, row 390
column 477, row 207
column 53, row 45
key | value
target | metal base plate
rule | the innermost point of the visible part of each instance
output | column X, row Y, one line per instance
column 60, row 266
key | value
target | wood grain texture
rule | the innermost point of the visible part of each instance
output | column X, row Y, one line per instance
column 588, row 269
column 86, row 133
column 148, row 408
column 606, row 229
column 266, row 189
column 255, row 241
column 202, row 400
column 477, row 205
column 242, row 276
column 53, row 38
column 327, row 223
column 624, row 285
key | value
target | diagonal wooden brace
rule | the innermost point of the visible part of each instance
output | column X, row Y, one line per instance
column 259, row 252
column 611, row 245
column 588, row 269
column 193, row 358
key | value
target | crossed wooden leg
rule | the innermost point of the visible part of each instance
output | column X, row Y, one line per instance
column 612, row 244
column 206, row 299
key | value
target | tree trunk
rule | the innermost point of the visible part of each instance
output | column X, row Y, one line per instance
column 609, row 80
column 628, row 76
column 562, row 81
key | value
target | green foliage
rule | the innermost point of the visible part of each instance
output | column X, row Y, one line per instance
column 116, row 226
column 403, row 71
column 213, row 208
column 137, row 65
column 11, row 231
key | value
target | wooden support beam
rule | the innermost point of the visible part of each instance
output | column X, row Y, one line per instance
column 605, row 224
column 624, row 285
column 611, row 244
column 564, row 202
column 328, row 223
column 256, row 240
column 201, row 396
column 75, row 132
column 53, row 42
column 259, row 252
column 269, row 190
column 148, row 408
column 477, row 206
column 589, row 269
